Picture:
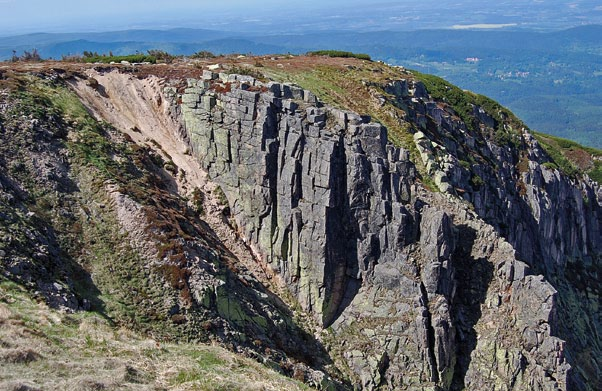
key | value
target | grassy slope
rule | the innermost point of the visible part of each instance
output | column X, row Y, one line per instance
column 52, row 350
column 353, row 85
column 571, row 157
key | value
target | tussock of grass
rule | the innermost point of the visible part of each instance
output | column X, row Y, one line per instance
column 248, row 71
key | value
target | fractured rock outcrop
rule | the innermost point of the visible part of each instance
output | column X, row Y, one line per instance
column 419, row 292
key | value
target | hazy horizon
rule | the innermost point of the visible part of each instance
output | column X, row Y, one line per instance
column 29, row 16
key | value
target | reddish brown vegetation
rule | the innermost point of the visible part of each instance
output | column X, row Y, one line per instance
column 582, row 159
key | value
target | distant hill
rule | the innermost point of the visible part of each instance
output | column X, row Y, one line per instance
column 552, row 80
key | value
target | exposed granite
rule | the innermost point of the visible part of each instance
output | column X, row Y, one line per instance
column 419, row 292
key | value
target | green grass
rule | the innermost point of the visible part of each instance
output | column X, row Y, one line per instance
column 52, row 350
column 570, row 157
column 339, row 53
column 321, row 81
column 566, row 144
column 463, row 103
column 221, row 196
column 596, row 173
column 129, row 58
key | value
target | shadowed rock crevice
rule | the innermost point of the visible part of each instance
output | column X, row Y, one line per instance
column 327, row 203
column 430, row 333
column 552, row 219
column 342, row 277
column 475, row 276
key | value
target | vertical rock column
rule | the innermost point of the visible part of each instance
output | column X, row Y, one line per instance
column 284, row 175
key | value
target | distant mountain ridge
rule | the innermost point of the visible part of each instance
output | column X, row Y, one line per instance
column 48, row 43
column 552, row 80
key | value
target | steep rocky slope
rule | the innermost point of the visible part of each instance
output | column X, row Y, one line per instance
column 365, row 227
column 93, row 221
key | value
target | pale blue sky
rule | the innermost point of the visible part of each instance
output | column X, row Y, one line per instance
column 24, row 16
column 67, row 15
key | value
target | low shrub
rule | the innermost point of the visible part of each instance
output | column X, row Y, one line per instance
column 203, row 54
column 132, row 58
column 27, row 56
column 340, row 53
column 162, row 56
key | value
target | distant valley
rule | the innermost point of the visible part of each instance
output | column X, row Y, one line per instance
column 552, row 80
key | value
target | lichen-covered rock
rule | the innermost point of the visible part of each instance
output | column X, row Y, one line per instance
column 419, row 292
column 552, row 220
column 474, row 266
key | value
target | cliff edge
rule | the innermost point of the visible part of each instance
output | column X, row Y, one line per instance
column 355, row 224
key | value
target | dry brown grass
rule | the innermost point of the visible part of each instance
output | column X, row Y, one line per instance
column 47, row 350
column 581, row 158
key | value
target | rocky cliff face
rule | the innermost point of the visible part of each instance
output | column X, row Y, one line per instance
column 92, row 221
column 552, row 220
column 419, row 291
column 252, row 213
column 310, row 217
